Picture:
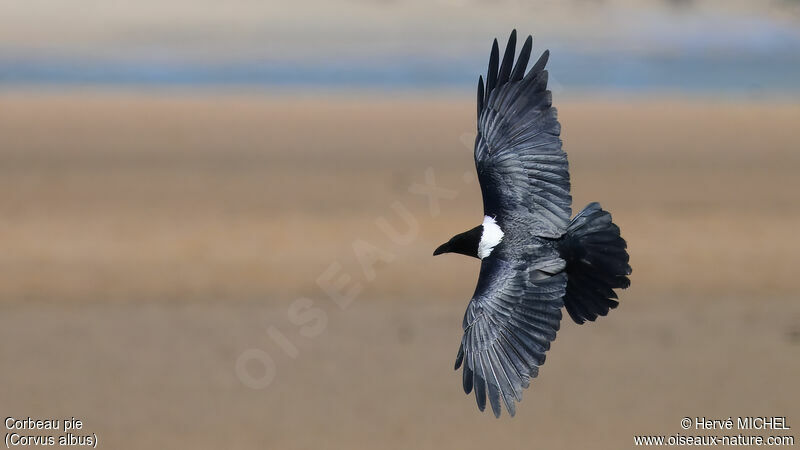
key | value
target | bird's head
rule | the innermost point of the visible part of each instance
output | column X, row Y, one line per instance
column 465, row 243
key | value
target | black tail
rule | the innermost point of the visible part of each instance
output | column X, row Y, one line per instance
column 597, row 263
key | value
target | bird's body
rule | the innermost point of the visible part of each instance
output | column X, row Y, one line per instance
column 534, row 259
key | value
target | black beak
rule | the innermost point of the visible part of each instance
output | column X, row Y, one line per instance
column 444, row 248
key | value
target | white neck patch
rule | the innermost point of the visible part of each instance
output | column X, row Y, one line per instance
column 491, row 236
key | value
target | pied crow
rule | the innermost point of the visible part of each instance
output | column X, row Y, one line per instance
column 534, row 259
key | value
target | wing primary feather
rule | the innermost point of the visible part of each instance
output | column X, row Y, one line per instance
column 516, row 358
column 480, row 96
column 508, row 59
column 491, row 75
column 540, row 64
column 467, row 379
column 492, row 384
column 459, row 357
column 509, row 367
column 479, row 384
column 522, row 61
column 504, row 382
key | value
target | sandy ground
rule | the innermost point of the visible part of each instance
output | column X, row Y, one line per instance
column 148, row 241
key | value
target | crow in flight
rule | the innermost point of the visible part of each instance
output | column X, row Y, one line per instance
column 534, row 259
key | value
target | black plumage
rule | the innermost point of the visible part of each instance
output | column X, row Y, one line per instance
column 544, row 260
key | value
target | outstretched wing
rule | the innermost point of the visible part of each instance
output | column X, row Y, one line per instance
column 522, row 170
column 509, row 324
column 516, row 309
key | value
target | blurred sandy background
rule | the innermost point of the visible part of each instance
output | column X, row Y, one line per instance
column 152, row 234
